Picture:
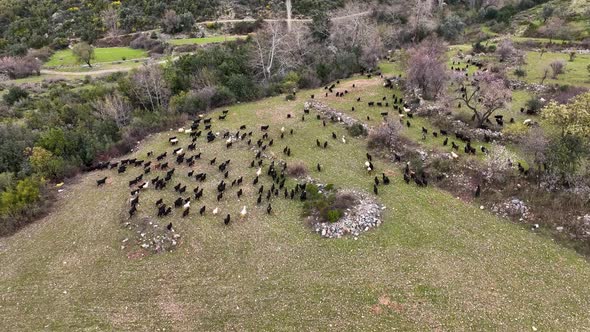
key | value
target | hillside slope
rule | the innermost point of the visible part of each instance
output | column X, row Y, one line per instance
column 435, row 263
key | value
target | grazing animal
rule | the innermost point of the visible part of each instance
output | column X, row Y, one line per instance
column 477, row 191
column 227, row 219
column 101, row 181
column 375, row 190
column 185, row 212
column 269, row 208
column 169, row 227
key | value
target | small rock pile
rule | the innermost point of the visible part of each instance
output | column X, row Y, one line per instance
column 365, row 215
column 150, row 236
column 513, row 208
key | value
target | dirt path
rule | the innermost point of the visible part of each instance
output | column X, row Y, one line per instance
column 284, row 19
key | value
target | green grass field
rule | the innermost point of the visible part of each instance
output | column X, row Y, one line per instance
column 436, row 263
column 65, row 58
column 576, row 72
column 203, row 41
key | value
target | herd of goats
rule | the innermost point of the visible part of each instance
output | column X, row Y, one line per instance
column 165, row 164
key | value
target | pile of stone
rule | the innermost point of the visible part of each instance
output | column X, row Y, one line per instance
column 513, row 208
column 150, row 236
column 363, row 216
column 332, row 113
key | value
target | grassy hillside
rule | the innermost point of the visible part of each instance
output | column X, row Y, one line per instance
column 576, row 72
column 436, row 263
column 65, row 58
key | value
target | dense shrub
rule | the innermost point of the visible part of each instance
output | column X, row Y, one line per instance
column 243, row 28
column 565, row 155
column 19, row 204
column 356, row 130
column 534, row 105
column 451, row 28
column 520, row 72
column 14, row 94
column 143, row 41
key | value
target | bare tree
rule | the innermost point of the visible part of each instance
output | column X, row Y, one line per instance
column 357, row 32
column 267, row 44
column 554, row 28
column 545, row 74
column 421, row 15
column 535, row 145
column 171, row 22
column 557, row 67
column 149, row 88
column 115, row 107
column 426, row 70
column 296, row 47
column 110, row 19
column 19, row 67
column 506, row 50
column 486, row 94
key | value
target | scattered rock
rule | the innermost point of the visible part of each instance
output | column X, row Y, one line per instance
column 362, row 217
column 513, row 208
column 332, row 113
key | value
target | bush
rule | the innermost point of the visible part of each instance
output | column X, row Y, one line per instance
column 516, row 131
column 214, row 26
column 384, row 136
column 20, row 204
column 478, row 48
column 519, row 72
column 297, row 169
column 223, row 96
column 356, row 130
column 14, row 94
column 440, row 166
column 46, row 164
column 243, row 28
column 59, row 44
column 534, row 105
column 565, row 154
column 143, row 41
column 326, row 204
column 7, row 180
column 334, row 215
